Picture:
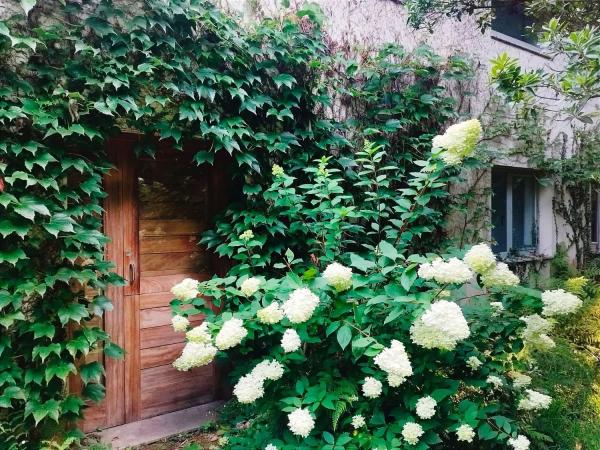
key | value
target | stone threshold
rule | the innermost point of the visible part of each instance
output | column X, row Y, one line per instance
column 156, row 428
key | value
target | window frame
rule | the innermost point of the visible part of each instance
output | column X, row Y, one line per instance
column 509, row 173
column 595, row 245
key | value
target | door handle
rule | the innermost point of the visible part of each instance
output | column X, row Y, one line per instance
column 131, row 273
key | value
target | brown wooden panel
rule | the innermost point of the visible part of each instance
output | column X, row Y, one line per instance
column 156, row 317
column 169, row 244
column 165, row 389
column 132, row 358
column 160, row 356
column 157, row 336
column 172, row 210
column 171, row 227
column 155, row 300
column 95, row 417
column 186, row 262
column 164, row 283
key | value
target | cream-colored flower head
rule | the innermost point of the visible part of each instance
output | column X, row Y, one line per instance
column 458, row 142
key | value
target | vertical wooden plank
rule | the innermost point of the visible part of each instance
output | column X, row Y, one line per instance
column 113, row 219
column 132, row 360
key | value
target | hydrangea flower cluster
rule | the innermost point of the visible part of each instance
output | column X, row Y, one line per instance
column 535, row 332
column 441, row 326
column 465, row 433
column 300, row 305
column 358, row 421
column 270, row 447
column 474, row 362
column 338, row 276
column 520, row 380
column 185, row 289
column 231, row 334
column 290, row 341
column 426, row 407
column 559, row 302
column 480, row 258
column 271, row 314
column 199, row 334
column 519, row 443
column 301, row 422
column 458, row 142
column 495, row 381
column 372, row 387
column 499, row 276
column 534, row 401
column 412, row 432
column 247, row 235
column 250, row 387
column 250, row 286
column 394, row 361
column 452, row 271
column 180, row 323
column 277, row 170
column 195, row 355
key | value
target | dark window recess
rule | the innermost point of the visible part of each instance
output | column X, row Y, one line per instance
column 513, row 212
column 510, row 19
column 594, row 218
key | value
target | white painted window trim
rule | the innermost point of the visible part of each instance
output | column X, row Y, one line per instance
column 595, row 245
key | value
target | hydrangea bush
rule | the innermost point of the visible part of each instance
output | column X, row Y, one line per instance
column 354, row 345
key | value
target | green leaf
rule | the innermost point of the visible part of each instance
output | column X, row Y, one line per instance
column 388, row 250
column 12, row 256
column 91, row 372
column 59, row 369
column 7, row 320
column 344, row 336
column 360, row 263
column 59, row 222
column 93, row 391
column 73, row 311
column 28, row 206
column 112, row 350
column 7, row 227
column 50, row 408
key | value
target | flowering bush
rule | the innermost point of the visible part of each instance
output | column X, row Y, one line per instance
column 354, row 345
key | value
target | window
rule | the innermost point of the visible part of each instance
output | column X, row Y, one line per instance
column 513, row 211
column 510, row 19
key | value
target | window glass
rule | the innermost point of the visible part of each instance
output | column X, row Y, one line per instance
column 513, row 211
column 510, row 19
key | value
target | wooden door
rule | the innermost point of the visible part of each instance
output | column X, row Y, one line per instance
column 156, row 210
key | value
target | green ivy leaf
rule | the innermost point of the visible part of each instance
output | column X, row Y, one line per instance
column 59, row 369
column 91, row 372
column 8, row 227
column 344, row 336
column 59, row 222
column 43, row 351
column 72, row 312
column 40, row 411
column 28, row 207
column 12, row 256
column 93, row 391
column 112, row 350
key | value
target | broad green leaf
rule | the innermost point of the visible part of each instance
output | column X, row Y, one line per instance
column 344, row 335
column 12, row 256
column 72, row 312
column 388, row 250
column 360, row 263
column 59, row 369
column 28, row 5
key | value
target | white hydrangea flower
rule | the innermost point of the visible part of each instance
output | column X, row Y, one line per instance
column 358, row 421
column 270, row 447
column 559, row 302
column 458, row 142
column 231, row 334
column 495, row 381
column 426, row 407
column 249, row 286
column 372, row 387
column 498, row 307
column 300, row 422
column 180, row 323
column 519, row 443
column 500, row 276
column 290, row 341
column 277, row 170
column 300, row 305
column 411, row 432
column 268, row 370
column 246, row 235
column 195, row 355
column 465, row 433
column 441, row 326
column 520, row 380
column 535, row 333
column 185, row 289
column 452, row 271
column 338, row 276
column 474, row 362
column 534, row 401
column 271, row 314
column 223, row 440
column 249, row 388
column 394, row 361
column 199, row 334
column 480, row 258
